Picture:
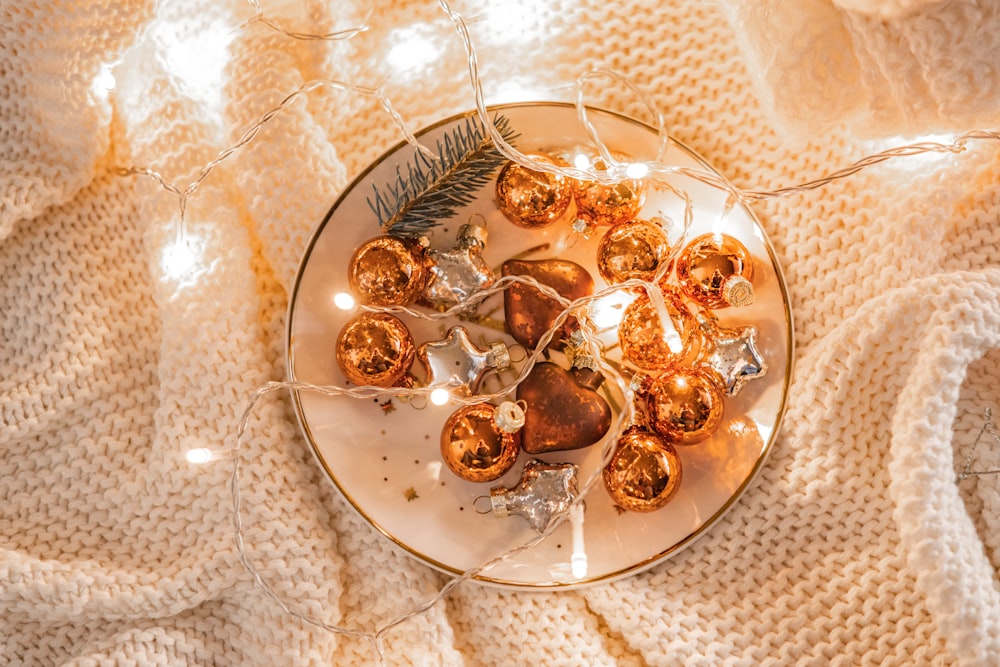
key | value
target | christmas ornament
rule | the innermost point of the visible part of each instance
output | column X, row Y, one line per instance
column 564, row 410
column 530, row 198
column 474, row 445
column 389, row 271
column 731, row 353
column 644, row 472
column 544, row 490
column 715, row 270
column 529, row 313
column 684, row 404
column 652, row 341
column 458, row 272
column 375, row 349
column 609, row 204
column 632, row 250
column 457, row 363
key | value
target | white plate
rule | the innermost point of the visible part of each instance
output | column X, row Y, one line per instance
column 379, row 460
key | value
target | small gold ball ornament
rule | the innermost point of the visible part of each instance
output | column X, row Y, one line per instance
column 653, row 342
column 475, row 446
column 612, row 203
column 530, row 198
column 684, row 404
column 389, row 271
column 375, row 349
column 632, row 250
column 644, row 472
column 716, row 271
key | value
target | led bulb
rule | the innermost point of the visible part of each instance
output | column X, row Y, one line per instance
column 440, row 396
column 199, row 455
column 343, row 300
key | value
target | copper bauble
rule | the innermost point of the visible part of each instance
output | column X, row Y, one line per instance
column 632, row 250
column 644, row 472
column 564, row 410
column 646, row 341
column 474, row 447
column 716, row 271
column 389, row 271
column 609, row 204
column 375, row 349
column 529, row 313
column 532, row 198
column 684, row 404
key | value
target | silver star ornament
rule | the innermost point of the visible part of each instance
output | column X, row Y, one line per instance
column 733, row 354
column 456, row 363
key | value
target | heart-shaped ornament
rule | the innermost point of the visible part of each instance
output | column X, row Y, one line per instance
column 529, row 313
column 564, row 410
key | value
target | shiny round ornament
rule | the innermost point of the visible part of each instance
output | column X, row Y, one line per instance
column 389, row 271
column 644, row 472
column 632, row 250
column 652, row 341
column 475, row 447
column 530, row 198
column 684, row 405
column 609, row 203
column 375, row 349
column 716, row 270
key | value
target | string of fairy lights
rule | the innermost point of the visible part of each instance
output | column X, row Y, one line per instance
column 658, row 174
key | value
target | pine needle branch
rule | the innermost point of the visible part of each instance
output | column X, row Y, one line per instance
column 429, row 191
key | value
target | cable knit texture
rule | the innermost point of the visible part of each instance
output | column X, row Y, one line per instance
column 855, row 546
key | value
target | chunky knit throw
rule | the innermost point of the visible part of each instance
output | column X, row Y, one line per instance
column 855, row 546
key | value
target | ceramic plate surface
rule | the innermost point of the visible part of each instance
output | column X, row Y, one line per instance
column 387, row 462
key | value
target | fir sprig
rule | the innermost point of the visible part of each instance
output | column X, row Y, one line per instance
column 432, row 190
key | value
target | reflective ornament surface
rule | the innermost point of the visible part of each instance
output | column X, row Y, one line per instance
column 458, row 363
column 609, row 204
column 731, row 353
column 527, row 312
column 544, row 490
column 458, row 272
column 388, row 271
column 375, row 349
column 474, row 447
column 653, row 342
column 644, row 472
column 563, row 409
column 716, row 270
column 684, row 404
column 530, row 198
column 632, row 250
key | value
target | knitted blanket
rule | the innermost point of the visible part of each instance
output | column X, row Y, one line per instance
column 856, row 545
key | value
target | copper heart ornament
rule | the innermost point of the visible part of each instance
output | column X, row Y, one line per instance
column 564, row 410
column 529, row 313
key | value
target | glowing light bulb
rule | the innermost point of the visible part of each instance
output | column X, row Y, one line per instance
column 608, row 311
column 636, row 170
column 104, row 82
column 581, row 161
column 413, row 51
column 179, row 258
column 343, row 300
column 578, row 561
column 440, row 396
column 199, row 455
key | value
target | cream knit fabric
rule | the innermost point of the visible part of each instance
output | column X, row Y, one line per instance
column 855, row 546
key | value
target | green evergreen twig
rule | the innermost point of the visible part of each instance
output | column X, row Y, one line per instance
column 432, row 190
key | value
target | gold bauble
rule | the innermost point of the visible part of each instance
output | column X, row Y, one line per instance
column 612, row 203
column 532, row 198
column 375, row 349
column 632, row 250
column 474, row 447
column 716, row 271
column 646, row 341
column 684, row 404
column 389, row 271
column 644, row 472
